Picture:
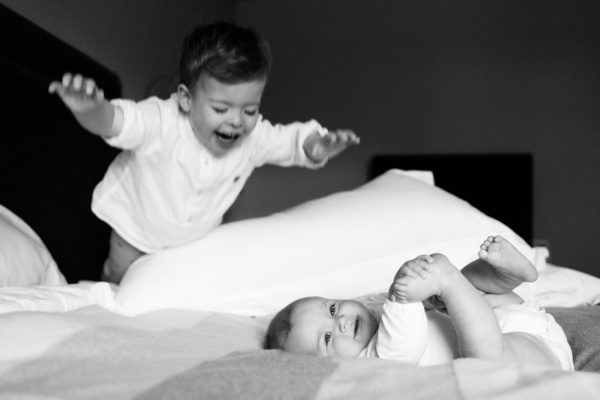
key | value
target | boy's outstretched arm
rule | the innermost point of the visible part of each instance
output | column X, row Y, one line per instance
column 87, row 103
column 320, row 148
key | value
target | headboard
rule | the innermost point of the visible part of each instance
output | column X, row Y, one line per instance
column 500, row 185
column 49, row 165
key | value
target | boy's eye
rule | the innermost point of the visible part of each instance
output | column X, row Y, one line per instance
column 327, row 338
column 220, row 110
column 332, row 309
column 251, row 113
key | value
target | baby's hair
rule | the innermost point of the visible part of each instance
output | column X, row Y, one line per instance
column 280, row 327
column 229, row 53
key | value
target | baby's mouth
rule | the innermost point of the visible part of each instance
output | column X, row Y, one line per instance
column 227, row 137
column 356, row 327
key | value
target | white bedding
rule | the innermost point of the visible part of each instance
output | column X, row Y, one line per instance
column 344, row 245
column 556, row 287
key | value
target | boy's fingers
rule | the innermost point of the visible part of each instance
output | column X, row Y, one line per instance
column 77, row 82
column 346, row 136
column 55, row 87
column 66, row 80
column 330, row 138
column 351, row 137
column 90, row 86
column 99, row 94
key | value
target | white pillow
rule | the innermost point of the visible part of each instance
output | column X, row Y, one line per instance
column 24, row 259
column 53, row 298
column 343, row 245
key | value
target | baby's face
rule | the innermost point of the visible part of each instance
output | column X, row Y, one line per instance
column 330, row 327
column 222, row 115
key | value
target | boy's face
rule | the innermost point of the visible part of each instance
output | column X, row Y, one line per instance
column 330, row 327
column 222, row 115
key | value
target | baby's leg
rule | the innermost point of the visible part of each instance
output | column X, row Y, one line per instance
column 500, row 268
column 120, row 257
column 526, row 348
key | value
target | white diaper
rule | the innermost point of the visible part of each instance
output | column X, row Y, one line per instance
column 530, row 318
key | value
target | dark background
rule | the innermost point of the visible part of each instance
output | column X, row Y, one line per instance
column 410, row 77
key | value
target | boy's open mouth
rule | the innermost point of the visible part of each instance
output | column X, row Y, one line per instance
column 227, row 137
column 356, row 326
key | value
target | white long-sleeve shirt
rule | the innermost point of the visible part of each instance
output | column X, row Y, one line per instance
column 402, row 333
column 165, row 189
column 409, row 333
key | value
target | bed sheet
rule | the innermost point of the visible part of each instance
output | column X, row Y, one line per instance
column 94, row 353
column 70, row 342
column 556, row 286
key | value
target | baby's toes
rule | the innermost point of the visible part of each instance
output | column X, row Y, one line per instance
column 399, row 296
column 399, row 289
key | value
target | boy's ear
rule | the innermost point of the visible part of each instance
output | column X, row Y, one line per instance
column 185, row 97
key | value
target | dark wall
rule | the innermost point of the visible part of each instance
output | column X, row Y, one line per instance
column 416, row 77
column 139, row 39
column 49, row 165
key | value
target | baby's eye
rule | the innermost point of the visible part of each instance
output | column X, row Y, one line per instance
column 332, row 309
column 327, row 338
column 220, row 110
column 251, row 113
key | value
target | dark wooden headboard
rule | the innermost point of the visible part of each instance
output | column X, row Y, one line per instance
column 49, row 165
column 500, row 185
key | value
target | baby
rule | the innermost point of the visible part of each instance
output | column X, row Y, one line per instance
column 498, row 325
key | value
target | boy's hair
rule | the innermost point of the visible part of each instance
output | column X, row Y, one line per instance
column 280, row 327
column 229, row 53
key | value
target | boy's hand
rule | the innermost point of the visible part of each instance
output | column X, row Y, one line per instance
column 320, row 148
column 78, row 93
column 86, row 102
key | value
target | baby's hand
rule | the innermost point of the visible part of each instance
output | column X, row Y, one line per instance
column 418, row 268
column 78, row 93
column 333, row 143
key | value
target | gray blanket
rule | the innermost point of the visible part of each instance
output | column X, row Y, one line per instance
column 92, row 353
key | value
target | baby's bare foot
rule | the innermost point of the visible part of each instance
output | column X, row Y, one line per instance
column 410, row 289
column 511, row 266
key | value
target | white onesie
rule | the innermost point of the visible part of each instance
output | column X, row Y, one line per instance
column 410, row 334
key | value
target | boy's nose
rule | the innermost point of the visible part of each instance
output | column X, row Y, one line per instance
column 236, row 120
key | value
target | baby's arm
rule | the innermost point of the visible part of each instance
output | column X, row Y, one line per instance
column 402, row 333
column 87, row 103
column 319, row 148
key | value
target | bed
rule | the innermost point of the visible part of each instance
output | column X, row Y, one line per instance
column 189, row 322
